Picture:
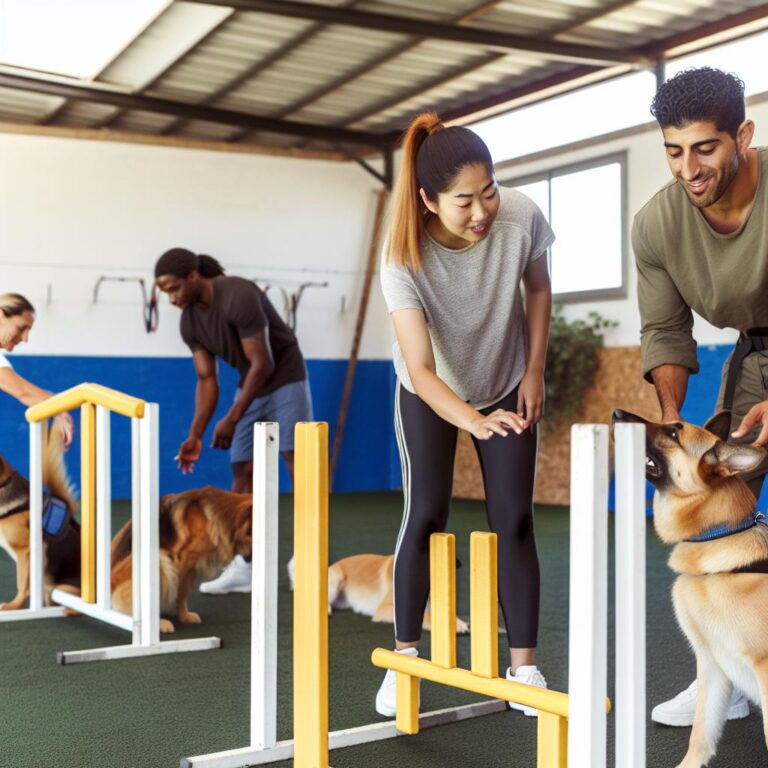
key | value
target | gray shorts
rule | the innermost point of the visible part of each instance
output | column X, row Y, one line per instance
column 287, row 405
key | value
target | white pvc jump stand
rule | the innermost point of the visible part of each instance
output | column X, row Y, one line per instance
column 144, row 624
column 264, row 747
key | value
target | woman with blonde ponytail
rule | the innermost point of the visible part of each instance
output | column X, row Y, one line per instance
column 469, row 354
column 17, row 316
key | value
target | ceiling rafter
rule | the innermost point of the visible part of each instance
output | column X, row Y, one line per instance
column 73, row 90
column 381, row 22
column 370, row 65
column 259, row 66
column 650, row 52
column 560, row 29
column 111, row 119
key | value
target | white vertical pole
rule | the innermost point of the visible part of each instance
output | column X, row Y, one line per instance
column 266, row 449
column 103, row 508
column 136, row 526
column 588, row 621
column 630, row 594
column 35, row 515
column 149, row 541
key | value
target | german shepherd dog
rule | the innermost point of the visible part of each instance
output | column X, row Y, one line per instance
column 61, row 552
column 703, row 508
column 364, row 584
column 200, row 532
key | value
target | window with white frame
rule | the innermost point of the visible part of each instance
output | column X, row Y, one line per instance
column 584, row 205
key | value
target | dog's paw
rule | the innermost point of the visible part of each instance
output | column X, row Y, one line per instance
column 462, row 628
column 166, row 627
column 190, row 617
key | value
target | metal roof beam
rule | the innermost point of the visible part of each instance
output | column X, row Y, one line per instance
column 381, row 22
column 56, row 87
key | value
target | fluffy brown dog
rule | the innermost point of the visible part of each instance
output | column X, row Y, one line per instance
column 721, row 595
column 363, row 583
column 61, row 553
column 200, row 532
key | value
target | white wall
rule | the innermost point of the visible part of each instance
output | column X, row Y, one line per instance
column 72, row 210
column 647, row 172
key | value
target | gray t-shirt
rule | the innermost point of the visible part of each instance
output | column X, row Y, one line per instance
column 472, row 302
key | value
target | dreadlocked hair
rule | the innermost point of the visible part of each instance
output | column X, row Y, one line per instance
column 701, row 95
column 179, row 262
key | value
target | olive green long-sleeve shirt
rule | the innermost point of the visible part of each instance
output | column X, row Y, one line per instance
column 683, row 264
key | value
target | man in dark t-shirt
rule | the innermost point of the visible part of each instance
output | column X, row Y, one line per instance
column 231, row 318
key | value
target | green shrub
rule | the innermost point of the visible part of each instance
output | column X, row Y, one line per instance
column 571, row 363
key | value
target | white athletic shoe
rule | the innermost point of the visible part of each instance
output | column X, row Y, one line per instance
column 386, row 698
column 529, row 675
column 679, row 710
column 236, row 577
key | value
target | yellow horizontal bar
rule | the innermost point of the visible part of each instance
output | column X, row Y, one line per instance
column 554, row 702
column 95, row 394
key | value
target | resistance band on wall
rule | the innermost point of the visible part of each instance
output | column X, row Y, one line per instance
column 290, row 300
column 150, row 312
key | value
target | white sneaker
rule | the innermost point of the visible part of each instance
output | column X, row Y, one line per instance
column 529, row 675
column 679, row 711
column 386, row 698
column 236, row 577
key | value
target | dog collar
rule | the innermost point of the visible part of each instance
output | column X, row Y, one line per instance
column 719, row 531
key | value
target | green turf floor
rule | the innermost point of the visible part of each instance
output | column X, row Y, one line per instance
column 151, row 712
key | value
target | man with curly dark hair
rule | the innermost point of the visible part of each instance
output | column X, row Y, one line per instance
column 701, row 244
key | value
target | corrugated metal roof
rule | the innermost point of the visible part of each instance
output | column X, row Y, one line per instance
column 349, row 74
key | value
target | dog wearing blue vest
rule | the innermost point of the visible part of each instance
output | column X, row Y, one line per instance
column 720, row 549
column 61, row 532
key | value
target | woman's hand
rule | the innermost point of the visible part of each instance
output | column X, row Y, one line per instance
column 497, row 423
column 530, row 398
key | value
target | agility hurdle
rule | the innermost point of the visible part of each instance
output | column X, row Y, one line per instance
column 312, row 741
column 96, row 403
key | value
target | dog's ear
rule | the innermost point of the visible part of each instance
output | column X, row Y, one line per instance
column 733, row 459
column 720, row 425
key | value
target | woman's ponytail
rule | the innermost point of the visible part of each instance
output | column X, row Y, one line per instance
column 407, row 217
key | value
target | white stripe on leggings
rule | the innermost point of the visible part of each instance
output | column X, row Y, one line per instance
column 405, row 464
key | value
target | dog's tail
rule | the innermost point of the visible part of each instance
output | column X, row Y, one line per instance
column 55, row 475
column 122, row 584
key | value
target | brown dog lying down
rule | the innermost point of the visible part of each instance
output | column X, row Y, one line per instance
column 61, row 552
column 364, row 584
column 200, row 532
column 703, row 508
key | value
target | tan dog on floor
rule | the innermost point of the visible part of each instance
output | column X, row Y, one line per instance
column 721, row 595
column 363, row 583
column 61, row 553
column 200, row 532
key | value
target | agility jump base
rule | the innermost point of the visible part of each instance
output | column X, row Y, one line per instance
column 581, row 744
column 96, row 403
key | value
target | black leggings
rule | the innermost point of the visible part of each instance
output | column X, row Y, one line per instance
column 427, row 445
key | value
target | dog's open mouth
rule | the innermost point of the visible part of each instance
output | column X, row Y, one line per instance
column 653, row 467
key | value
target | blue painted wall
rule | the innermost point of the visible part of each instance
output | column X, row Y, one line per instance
column 368, row 459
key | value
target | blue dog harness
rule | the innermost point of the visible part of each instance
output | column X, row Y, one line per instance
column 720, row 531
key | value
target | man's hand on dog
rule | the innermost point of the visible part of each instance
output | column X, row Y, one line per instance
column 756, row 416
column 188, row 454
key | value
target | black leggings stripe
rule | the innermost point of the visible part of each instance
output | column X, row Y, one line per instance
column 427, row 445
